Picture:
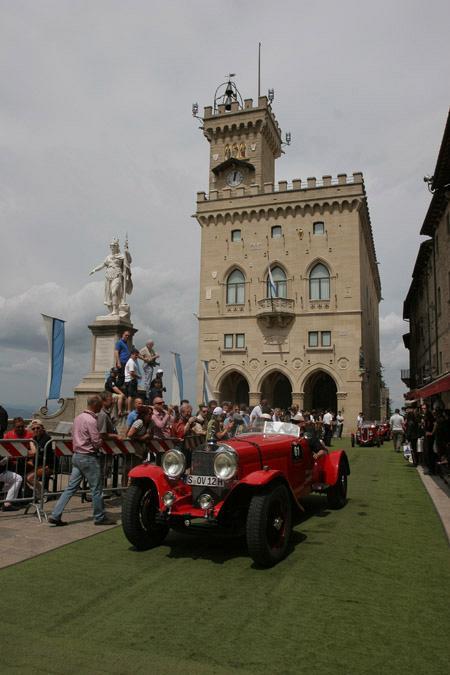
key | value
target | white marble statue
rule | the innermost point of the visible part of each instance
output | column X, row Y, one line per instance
column 118, row 283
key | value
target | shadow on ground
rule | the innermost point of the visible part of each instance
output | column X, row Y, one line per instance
column 218, row 547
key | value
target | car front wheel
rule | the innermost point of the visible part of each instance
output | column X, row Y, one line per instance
column 269, row 525
column 139, row 517
column 337, row 493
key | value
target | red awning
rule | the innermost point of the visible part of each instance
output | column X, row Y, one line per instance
column 436, row 387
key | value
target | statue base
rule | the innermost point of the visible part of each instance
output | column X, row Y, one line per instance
column 124, row 314
column 106, row 330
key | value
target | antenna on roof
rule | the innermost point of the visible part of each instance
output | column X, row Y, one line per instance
column 259, row 70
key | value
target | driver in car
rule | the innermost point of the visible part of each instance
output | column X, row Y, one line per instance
column 317, row 446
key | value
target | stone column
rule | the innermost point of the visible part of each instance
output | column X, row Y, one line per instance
column 254, row 398
column 297, row 399
column 105, row 333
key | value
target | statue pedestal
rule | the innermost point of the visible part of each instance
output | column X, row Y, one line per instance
column 105, row 333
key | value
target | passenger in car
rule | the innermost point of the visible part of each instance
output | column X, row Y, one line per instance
column 217, row 430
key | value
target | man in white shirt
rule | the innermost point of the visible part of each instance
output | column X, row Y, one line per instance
column 360, row 420
column 396, row 423
column 132, row 377
column 327, row 422
column 257, row 411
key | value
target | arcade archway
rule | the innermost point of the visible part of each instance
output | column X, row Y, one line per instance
column 234, row 388
column 277, row 388
column 320, row 392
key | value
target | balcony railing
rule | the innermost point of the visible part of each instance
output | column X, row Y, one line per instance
column 273, row 311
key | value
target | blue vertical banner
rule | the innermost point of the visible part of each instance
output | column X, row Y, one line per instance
column 55, row 337
column 207, row 388
column 177, row 380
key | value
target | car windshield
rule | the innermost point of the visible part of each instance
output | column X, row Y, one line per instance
column 266, row 427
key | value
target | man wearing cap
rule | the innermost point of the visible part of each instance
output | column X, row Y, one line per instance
column 132, row 377
column 161, row 418
column 216, row 430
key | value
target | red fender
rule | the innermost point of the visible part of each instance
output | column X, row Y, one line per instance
column 159, row 479
column 331, row 464
column 261, row 478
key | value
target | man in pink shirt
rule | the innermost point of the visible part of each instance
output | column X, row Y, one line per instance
column 162, row 420
column 86, row 442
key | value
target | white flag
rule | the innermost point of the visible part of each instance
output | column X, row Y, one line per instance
column 207, row 388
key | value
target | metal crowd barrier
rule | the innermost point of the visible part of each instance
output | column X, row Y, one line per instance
column 117, row 458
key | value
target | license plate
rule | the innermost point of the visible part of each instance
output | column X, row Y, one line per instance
column 205, row 481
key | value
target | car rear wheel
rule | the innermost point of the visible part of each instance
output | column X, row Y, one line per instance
column 269, row 525
column 138, row 517
column 337, row 493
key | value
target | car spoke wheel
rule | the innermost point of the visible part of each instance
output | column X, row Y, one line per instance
column 269, row 525
column 139, row 517
column 337, row 494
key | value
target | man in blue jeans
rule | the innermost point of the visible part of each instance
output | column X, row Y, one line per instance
column 86, row 442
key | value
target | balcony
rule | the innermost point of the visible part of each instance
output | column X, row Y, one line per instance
column 405, row 377
column 275, row 312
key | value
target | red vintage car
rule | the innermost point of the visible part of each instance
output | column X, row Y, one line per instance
column 367, row 434
column 251, row 484
column 385, row 431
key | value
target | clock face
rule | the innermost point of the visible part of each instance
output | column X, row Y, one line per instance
column 235, row 178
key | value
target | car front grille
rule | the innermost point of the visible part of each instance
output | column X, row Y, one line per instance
column 203, row 465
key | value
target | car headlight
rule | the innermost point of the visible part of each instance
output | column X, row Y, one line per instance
column 173, row 463
column 225, row 464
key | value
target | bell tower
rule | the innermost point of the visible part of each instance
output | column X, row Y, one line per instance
column 245, row 140
column 289, row 285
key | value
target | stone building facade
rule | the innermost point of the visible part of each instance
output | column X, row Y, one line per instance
column 307, row 330
column 427, row 305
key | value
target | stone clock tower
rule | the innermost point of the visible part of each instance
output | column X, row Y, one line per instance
column 289, row 285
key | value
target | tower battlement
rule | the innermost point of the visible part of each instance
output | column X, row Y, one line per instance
column 263, row 105
column 297, row 184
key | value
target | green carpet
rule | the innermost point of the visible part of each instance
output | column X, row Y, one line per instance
column 364, row 590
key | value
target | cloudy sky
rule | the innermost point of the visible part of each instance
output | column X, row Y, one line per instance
column 97, row 139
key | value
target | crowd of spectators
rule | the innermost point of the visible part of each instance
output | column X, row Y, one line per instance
column 133, row 408
column 33, row 472
column 427, row 433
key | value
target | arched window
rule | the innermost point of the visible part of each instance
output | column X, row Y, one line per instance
column 319, row 283
column 279, row 287
column 236, row 235
column 236, row 288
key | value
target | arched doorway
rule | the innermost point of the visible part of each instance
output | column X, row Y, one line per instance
column 234, row 388
column 320, row 392
column 277, row 388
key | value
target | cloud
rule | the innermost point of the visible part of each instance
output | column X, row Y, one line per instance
column 97, row 140
column 162, row 309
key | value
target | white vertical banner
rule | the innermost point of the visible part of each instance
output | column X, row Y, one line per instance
column 56, row 339
column 177, row 379
column 207, row 388
column 272, row 287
